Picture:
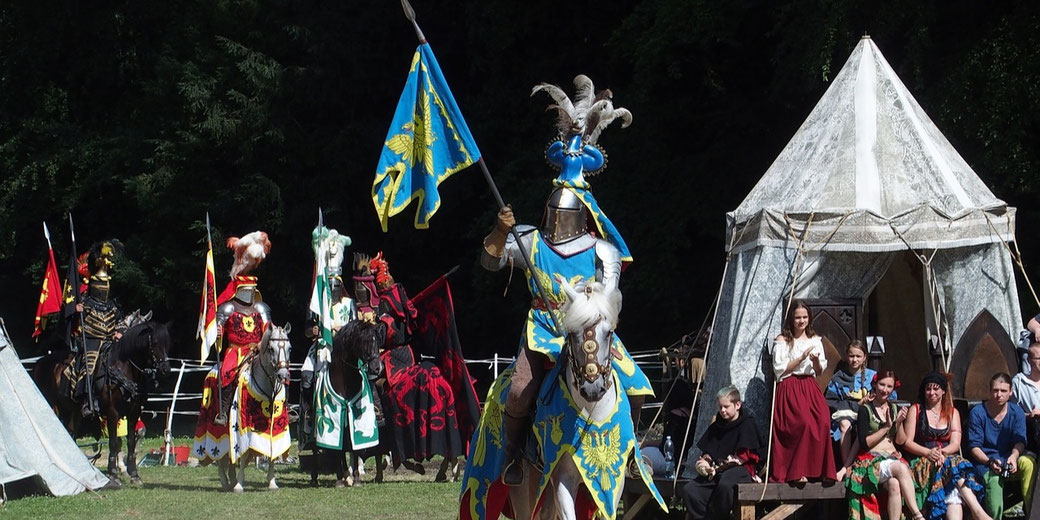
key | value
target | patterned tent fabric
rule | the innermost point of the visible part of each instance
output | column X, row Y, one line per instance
column 33, row 443
column 868, row 159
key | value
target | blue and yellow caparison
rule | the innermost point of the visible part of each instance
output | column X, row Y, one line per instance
column 600, row 451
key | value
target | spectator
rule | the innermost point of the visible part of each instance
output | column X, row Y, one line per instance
column 846, row 391
column 880, row 466
column 730, row 449
column 1025, row 392
column 996, row 436
column 800, row 415
column 932, row 433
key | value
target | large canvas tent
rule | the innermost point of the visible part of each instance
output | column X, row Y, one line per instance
column 869, row 206
column 33, row 443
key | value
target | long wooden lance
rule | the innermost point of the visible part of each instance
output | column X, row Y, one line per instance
column 543, row 293
column 221, row 417
column 74, row 284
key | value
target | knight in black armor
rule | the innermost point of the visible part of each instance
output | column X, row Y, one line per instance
column 101, row 321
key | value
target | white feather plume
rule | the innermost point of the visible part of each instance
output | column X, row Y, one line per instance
column 249, row 250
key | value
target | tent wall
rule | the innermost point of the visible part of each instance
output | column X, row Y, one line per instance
column 32, row 440
column 977, row 278
column 757, row 286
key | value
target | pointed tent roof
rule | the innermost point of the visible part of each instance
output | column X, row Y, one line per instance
column 869, row 171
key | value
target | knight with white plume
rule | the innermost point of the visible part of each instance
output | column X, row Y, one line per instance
column 242, row 319
column 575, row 243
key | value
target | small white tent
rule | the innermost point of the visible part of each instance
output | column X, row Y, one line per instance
column 866, row 179
column 33, row 443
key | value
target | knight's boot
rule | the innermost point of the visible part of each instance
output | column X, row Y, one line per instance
column 81, row 396
column 226, row 395
column 517, row 430
column 377, row 403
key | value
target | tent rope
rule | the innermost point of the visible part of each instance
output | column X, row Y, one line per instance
column 795, row 275
column 713, row 312
column 1016, row 255
column 938, row 309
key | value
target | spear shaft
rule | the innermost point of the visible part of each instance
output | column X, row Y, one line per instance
column 543, row 293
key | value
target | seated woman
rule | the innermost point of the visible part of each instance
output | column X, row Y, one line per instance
column 847, row 390
column 996, row 436
column 880, row 466
column 932, row 433
column 731, row 447
column 801, row 419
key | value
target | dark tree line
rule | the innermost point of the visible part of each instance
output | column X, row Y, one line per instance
column 138, row 117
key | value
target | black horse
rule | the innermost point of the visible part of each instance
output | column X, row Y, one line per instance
column 356, row 341
column 125, row 375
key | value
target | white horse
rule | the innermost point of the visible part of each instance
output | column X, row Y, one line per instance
column 266, row 372
column 589, row 317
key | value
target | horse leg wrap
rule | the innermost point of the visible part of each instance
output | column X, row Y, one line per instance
column 517, row 430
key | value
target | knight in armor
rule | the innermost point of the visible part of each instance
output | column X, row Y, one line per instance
column 574, row 242
column 242, row 316
column 412, row 396
column 101, row 321
column 329, row 249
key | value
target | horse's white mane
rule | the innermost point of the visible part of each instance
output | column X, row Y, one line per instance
column 593, row 303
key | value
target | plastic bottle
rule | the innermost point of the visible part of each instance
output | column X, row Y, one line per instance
column 669, row 457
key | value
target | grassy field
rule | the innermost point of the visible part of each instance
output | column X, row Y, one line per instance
column 194, row 493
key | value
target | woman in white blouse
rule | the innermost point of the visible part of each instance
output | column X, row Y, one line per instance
column 801, row 418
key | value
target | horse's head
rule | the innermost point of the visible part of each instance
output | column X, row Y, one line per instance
column 589, row 317
column 360, row 340
column 146, row 345
column 159, row 345
column 274, row 351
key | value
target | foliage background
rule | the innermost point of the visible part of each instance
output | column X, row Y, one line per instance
column 138, row 117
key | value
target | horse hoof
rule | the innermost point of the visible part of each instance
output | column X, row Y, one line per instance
column 314, row 483
column 272, row 487
column 238, row 489
column 415, row 466
column 136, row 481
column 341, row 484
column 441, row 477
column 113, row 484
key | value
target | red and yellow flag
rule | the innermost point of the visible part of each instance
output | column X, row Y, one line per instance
column 50, row 293
column 207, row 331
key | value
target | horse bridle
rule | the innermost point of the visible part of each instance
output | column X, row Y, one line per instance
column 279, row 362
column 588, row 366
column 154, row 367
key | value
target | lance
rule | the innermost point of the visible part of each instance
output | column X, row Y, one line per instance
column 543, row 293
column 82, row 328
column 221, row 417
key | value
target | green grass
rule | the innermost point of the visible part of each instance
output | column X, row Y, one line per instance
column 194, row 493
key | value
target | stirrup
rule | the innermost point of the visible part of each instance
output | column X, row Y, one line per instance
column 513, row 474
column 220, row 419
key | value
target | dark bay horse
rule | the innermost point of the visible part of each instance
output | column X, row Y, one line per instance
column 125, row 375
column 355, row 356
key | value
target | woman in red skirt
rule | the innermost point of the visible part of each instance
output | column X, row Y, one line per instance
column 801, row 418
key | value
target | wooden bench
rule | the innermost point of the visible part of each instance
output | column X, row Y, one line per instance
column 791, row 498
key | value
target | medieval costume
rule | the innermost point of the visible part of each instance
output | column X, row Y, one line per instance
column 418, row 404
column 233, row 417
column 713, row 497
column 102, row 320
column 332, row 309
column 801, row 443
column 575, row 242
